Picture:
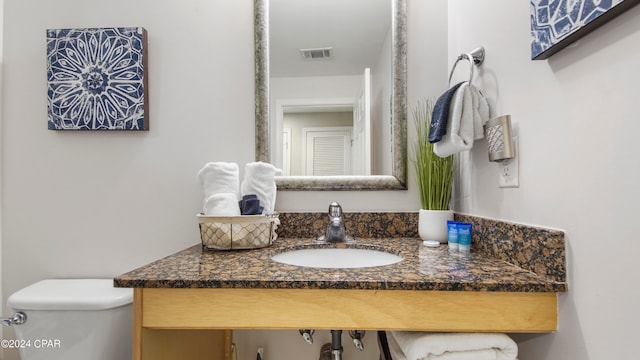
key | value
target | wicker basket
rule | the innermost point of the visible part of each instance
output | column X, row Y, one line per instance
column 237, row 232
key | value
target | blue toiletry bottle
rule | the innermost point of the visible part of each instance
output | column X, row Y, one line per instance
column 464, row 237
column 452, row 235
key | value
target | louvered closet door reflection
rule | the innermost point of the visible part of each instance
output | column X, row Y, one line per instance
column 328, row 152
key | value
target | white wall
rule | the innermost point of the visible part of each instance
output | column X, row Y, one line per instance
column 98, row 203
column 577, row 119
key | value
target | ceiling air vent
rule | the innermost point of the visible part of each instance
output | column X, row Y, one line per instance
column 317, row 54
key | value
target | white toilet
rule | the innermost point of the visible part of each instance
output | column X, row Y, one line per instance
column 74, row 319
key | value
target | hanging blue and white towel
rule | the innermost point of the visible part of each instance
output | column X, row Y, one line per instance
column 407, row 345
column 440, row 114
column 468, row 111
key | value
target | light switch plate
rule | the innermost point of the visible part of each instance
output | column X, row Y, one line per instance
column 509, row 169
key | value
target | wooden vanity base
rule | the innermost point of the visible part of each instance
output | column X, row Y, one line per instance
column 161, row 315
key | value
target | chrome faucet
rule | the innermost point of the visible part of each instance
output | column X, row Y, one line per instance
column 336, row 231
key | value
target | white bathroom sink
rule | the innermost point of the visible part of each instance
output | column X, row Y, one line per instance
column 333, row 258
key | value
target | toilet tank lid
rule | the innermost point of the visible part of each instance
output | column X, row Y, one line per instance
column 70, row 294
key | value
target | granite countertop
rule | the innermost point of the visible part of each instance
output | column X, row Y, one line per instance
column 423, row 268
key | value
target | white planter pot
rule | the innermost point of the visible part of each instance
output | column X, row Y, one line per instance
column 432, row 224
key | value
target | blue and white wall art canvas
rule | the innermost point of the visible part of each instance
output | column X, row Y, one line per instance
column 558, row 23
column 97, row 79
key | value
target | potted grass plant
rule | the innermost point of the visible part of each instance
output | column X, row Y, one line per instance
column 435, row 178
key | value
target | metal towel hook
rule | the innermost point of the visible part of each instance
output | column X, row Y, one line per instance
column 475, row 58
column 18, row 318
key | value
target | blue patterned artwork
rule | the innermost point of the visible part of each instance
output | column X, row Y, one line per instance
column 96, row 79
column 557, row 23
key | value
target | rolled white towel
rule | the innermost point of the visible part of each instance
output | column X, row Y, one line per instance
column 468, row 112
column 394, row 349
column 222, row 204
column 259, row 179
column 451, row 346
column 219, row 177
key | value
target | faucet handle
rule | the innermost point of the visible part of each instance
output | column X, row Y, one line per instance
column 335, row 210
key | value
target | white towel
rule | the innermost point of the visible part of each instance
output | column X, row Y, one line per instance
column 259, row 179
column 222, row 204
column 406, row 345
column 468, row 112
column 219, row 177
